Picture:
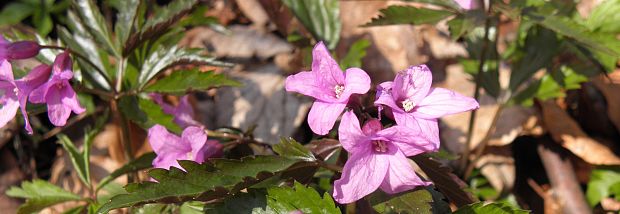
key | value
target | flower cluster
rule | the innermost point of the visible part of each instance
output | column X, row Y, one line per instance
column 378, row 156
column 44, row 84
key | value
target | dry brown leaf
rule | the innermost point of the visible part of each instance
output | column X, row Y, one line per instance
column 611, row 90
column 254, row 11
column 566, row 131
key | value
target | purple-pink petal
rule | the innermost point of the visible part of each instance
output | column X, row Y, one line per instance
column 328, row 73
column 428, row 128
column 62, row 63
column 349, row 133
column 357, row 81
column 371, row 127
column 411, row 142
column 323, row 116
column 440, row 102
column 467, row 4
column 9, row 108
column 306, row 83
column 412, row 84
column 57, row 111
column 196, row 137
column 400, row 175
column 362, row 174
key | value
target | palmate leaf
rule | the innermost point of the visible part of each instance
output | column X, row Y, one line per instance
column 490, row 208
column 162, row 19
column 320, row 17
column 40, row 194
column 394, row 15
column 94, row 21
column 183, row 81
column 202, row 182
column 420, row 200
column 127, row 11
column 166, row 57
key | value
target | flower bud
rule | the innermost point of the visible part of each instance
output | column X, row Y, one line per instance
column 23, row 50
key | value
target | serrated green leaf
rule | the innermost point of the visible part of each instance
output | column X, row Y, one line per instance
column 40, row 194
column 301, row 198
column 600, row 185
column 420, row 200
column 127, row 11
column 541, row 45
column 605, row 17
column 80, row 163
column 290, row 148
column 396, row 14
column 143, row 162
column 146, row 113
column 354, row 56
column 567, row 27
column 162, row 20
column 443, row 3
column 95, row 23
column 320, row 17
column 166, row 57
column 201, row 182
column 490, row 208
column 183, row 81
column 443, row 178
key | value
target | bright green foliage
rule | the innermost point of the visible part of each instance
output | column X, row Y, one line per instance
column 320, row 17
column 80, row 160
column 605, row 17
column 290, row 148
column 40, row 194
column 146, row 113
column 465, row 23
column 95, row 23
column 304, row 199
column 213, row 179
column 490, row 74
column 408, row 15
column 449, row 4
column 353, row 59
column 419, row 200
column 165, row 57
column 550, row 86
column 490, row 208
column 180, row 82
column 143, row 162
column 604, row 182
column 39, row 11
column 541, row 45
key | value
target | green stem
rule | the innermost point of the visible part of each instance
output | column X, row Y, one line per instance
column 125, row 138
column 482, row 61
column 485, row 141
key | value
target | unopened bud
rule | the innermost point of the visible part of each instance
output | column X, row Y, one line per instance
column 23, row 50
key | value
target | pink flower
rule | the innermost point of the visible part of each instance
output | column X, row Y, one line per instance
column 467, row 4
column 18, row 50
column 192, row 145
column 378, row 159
column 183, row 113
column 16, row 92
column 329, row 86
column 415, row 104
column 60, row 97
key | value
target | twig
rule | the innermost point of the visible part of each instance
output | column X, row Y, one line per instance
column 483, row 143
column 69, row 123
column 566, row 189
column 472, row 118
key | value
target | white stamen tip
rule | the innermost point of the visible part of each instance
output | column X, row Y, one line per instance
column 407, row 105
column 338, row 89
column 379, row 146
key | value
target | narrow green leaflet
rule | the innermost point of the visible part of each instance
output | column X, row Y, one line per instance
column 541, row 45
column 96, row 24
column 143, row 162
column 571, row 29
column 301, row 198
column 451, row 4
column 601, row 182
column 202, row 182
column 394, row 15
column 126, row 15
column 162, row 19
column 420, row 200
column 290, row 148
column 605, row 17
column 183, row 81
column 81, row 163
column 490, row 208
column 40, row 194
column 320, row 17
column 166, row 57
column 353, row 59
column 146, row 113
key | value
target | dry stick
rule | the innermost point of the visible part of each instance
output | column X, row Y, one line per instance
column 566, row 189
column 69, row 123
column 483, row 143
column 472, row 118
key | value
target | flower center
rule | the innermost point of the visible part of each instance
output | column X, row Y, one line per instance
column 190, row 156
column 379, row 146
column 60, row 85
column 338, row 89
column 407, row 105
column 16, row 91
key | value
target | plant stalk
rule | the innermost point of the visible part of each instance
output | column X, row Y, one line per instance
column 125, row 138
column 485, row 141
